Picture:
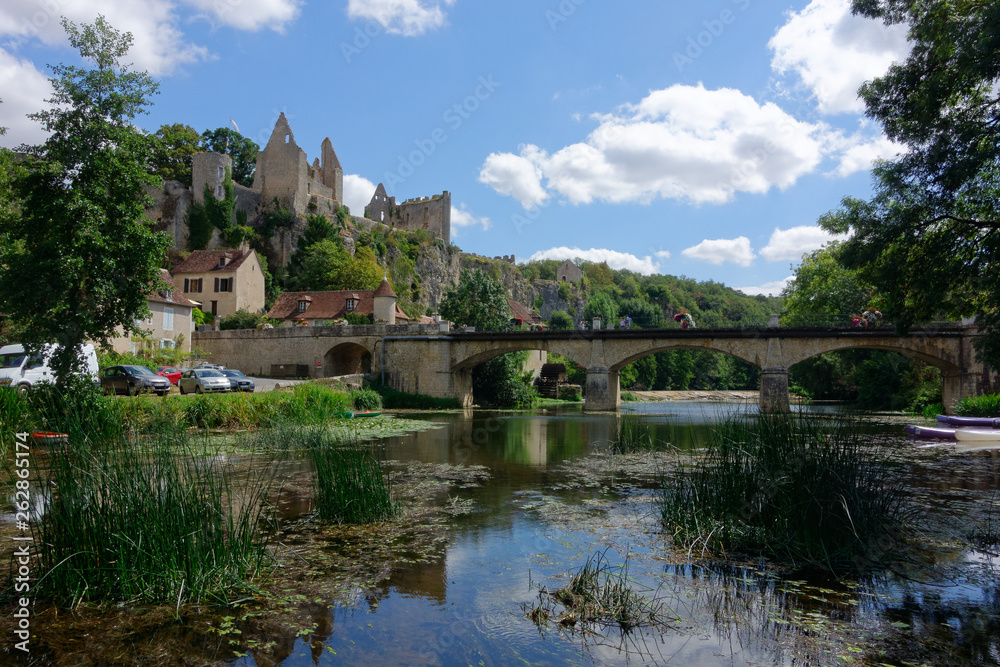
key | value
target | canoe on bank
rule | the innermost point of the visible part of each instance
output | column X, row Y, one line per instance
column 938, row 432
column 358, row 414
column 988, row 422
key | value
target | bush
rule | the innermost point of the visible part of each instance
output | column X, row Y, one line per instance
column 401, row 400
column 241, row 319
column 987, row 405
column 365, row 399
column 560, row 321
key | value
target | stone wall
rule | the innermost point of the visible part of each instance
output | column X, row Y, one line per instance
column 432, row 214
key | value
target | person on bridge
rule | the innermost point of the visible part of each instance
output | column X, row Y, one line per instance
column 685, row 319
column 872, row 317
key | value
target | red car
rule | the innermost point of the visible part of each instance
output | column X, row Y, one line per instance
column 169, row 372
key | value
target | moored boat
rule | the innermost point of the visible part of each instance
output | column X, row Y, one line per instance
column 988, row 422
column 938, row 432
column 977, row 435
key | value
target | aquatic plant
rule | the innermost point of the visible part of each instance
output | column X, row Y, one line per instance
column 782, row 487
column 633, row 436
column 153, row 520
column 987, row 405
column 599, row 593
column 350, row 485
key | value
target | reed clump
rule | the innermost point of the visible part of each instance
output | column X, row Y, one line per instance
column 825, row 495
column 350, row 485
column 599, row 593
column 633, row 436
column 987, row 405
column 152, row 520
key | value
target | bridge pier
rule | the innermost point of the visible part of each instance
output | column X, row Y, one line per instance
column 955, row 386
column 603, row 391
column 774, row 390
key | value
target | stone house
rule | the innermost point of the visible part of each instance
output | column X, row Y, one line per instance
column 317, row 308
column 568, row 272
column 169, row 325
column 222, row 281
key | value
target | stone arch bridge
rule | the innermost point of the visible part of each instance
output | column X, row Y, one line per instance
column 429, row 360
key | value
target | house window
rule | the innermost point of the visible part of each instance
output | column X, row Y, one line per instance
column 224, row 284
column 218, row 192
column 168, row 318
column 166, row 344
column 351, row 303
column 222, row 262
column 222, row 173
column 303, row 304
column 215, row 308
column 195, row 285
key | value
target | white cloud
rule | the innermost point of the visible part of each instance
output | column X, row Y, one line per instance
column 158, row 46
column 515, row 175
column 791, row 244
column 771, row 289
column 462, row 217
column 834, row 52
column 249, row 15
column 616, row 260
column 24, row 91
column 721, row 251
column 684, row 142
column 358, row 192
column 663, row 254
column 401, row 17
column 857, row 154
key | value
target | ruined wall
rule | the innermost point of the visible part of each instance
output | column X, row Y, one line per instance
column 170, row 205
column 209, row 168
column 430, row 213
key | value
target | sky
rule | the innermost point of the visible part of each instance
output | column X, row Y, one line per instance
column 700, row 139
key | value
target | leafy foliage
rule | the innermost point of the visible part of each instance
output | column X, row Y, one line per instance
column 241, row 319
column 479, row 301
column 172, row 150
column 78, row 259
column 934, row 211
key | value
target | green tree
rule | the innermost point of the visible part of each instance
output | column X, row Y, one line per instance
column 560, row 320
column 173, row 148
column 603, row 306
column 824, row 286
column 242, row 150
column 929, row 238
column 324, row 266
column 77, row 261
column 241, row 319
column 479, row 301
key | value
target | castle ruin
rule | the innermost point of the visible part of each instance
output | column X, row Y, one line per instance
column 284, row 175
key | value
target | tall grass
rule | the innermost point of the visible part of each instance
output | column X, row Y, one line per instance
column 400, row 400
column 785, row 488
column 131, row 518
column 366, row 399
column 350, row 485
column 633, row 436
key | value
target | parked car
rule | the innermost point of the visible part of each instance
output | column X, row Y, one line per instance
column 203, row 380
column 238, row 381
column 22, row 371
column 215, row 367
column 169, row 372
column 133, row 380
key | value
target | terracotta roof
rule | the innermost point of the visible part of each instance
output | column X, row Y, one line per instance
column 172, row 296
column 385, row 289
column 203, row 261
column 518, row 309
column 325, row 305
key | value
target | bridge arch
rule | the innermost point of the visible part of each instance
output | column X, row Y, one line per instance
column 477, row 356
column 348, row 358
column 742, row 353
column 907, row 347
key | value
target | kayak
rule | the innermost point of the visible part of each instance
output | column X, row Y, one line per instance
column 988, row 422
column 358, row 414
column 977, row 435
column 939, row 432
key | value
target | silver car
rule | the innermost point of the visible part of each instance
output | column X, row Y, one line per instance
column 203, row 380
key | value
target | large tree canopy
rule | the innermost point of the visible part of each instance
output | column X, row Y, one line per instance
column 823, row 286
column 929, row 238
column 479, row 301
column 78, row 256
column 174, row 146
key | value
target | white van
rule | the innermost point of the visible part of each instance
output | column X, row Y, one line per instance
column 21, row 371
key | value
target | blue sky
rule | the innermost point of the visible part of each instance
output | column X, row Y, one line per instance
column 689, row 138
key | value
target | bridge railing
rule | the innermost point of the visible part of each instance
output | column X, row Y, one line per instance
column 738, row 321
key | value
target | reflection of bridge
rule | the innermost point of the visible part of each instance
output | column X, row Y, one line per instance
column 423, row 359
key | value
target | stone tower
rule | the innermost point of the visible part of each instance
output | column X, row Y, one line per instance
column 385, row 303
column 333, row 173
column 209, row 169
column 282, row 170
